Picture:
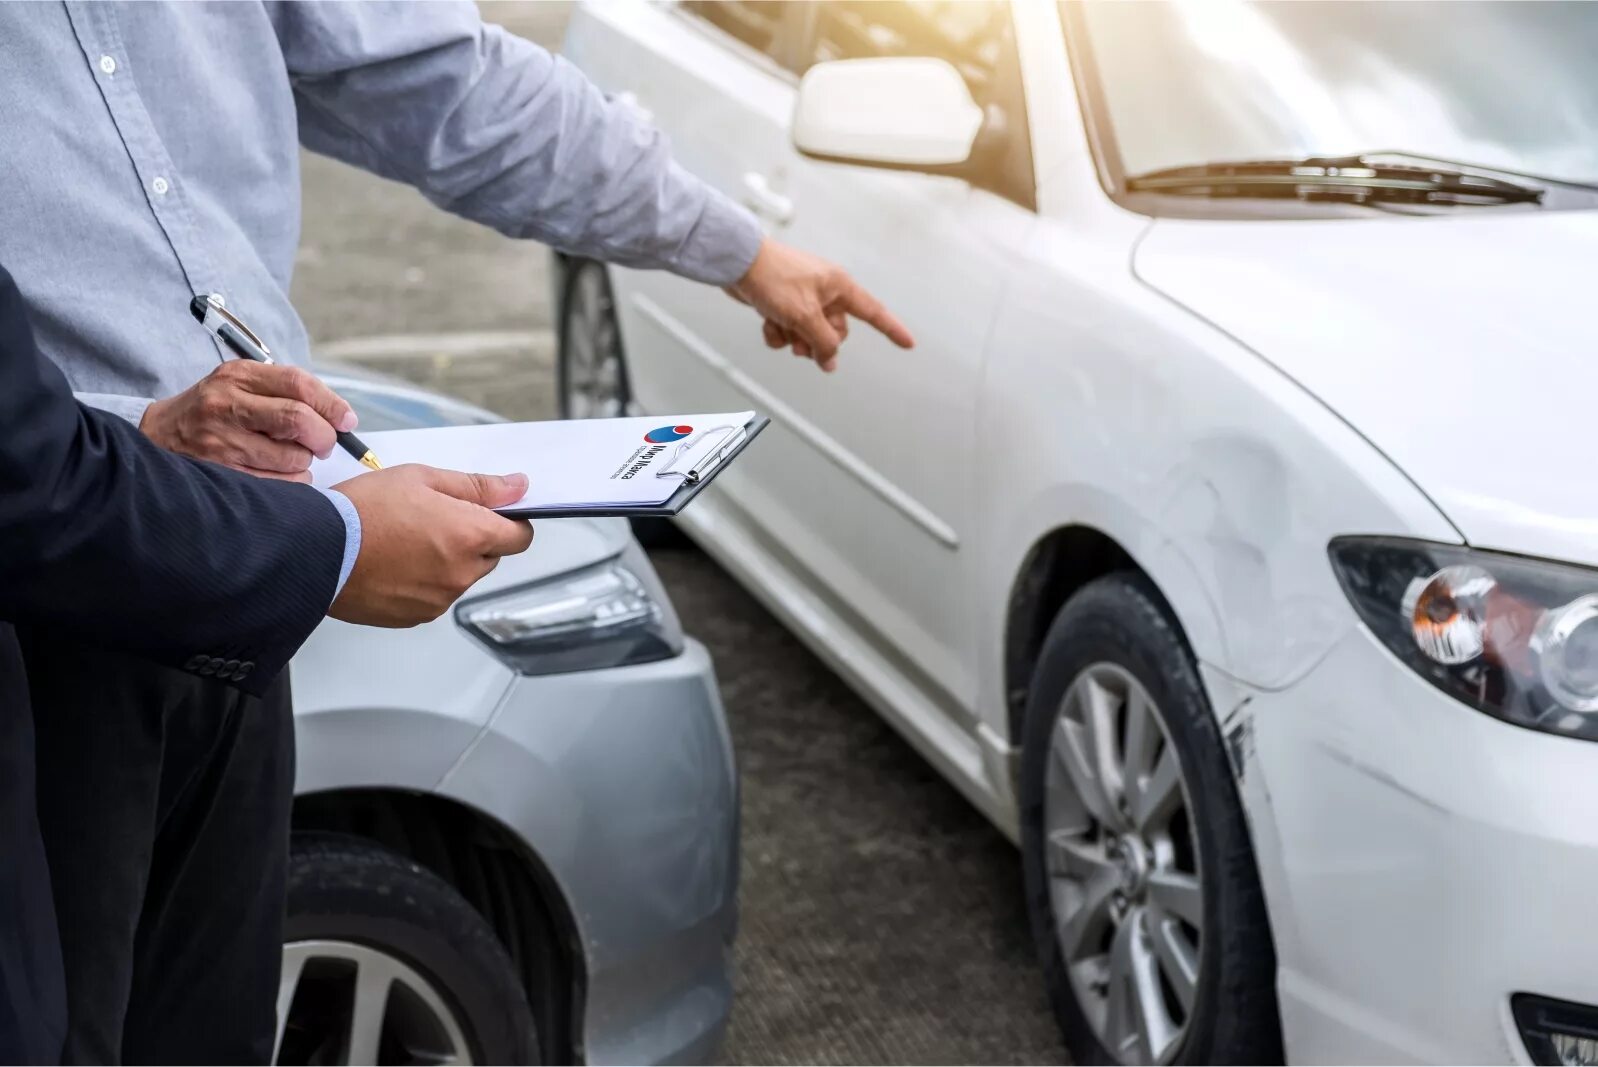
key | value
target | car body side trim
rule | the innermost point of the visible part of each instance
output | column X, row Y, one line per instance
column 790, row 419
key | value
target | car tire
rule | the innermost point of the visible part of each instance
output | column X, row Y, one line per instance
column 1115, row 888
column 591, row 369
column 357, row 911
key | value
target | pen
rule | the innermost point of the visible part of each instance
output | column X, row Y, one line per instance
column 246, row 345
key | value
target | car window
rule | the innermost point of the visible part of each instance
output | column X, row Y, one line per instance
column 757, row 23
column 969, row 36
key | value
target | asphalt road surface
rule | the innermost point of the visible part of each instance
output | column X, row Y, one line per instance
column 882, row 917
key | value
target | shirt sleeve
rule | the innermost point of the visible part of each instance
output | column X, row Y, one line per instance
column 352, row 535
column 494, row 128
column 131, row 408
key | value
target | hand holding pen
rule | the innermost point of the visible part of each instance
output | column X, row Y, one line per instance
column 251, row 413
column 425, row 535
column 246, row 345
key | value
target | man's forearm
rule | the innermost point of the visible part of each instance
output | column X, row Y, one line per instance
column 494, row 128
column 106, row 534
column 131, row 408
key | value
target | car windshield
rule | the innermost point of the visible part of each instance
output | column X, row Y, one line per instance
column 1497, row 85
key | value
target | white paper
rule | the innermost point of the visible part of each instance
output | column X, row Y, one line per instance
column 575, row 463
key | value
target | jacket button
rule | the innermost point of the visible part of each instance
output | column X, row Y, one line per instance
column 195, row 663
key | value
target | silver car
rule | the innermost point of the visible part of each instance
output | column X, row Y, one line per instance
column 515, row 834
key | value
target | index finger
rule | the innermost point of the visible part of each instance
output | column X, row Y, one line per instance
column 868, row 309
column 300, row 384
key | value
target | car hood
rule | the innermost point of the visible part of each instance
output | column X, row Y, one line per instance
column 1464, row 348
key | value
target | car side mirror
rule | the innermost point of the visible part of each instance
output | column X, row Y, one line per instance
column 901, row 112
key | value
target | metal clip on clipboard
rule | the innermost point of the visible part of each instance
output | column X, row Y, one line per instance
column 696, row 461
column 700, row 454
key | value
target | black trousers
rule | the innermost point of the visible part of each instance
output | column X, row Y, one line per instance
column 164, row 803
column 33, row 1010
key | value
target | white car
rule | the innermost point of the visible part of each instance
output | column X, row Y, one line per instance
column 515, row 827
column 1229, row 538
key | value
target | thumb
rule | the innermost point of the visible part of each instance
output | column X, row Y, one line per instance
column 489, row 490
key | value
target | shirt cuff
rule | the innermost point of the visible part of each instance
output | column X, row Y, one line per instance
column 723, row 244
column 131, row 408
column 352, row 535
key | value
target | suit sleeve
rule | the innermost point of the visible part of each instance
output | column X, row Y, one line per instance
column 106, row 535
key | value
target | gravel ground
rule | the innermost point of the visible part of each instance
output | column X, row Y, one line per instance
column 882, row 917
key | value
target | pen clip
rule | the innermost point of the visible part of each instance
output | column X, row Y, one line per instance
column 227, row 319
column 698, row 455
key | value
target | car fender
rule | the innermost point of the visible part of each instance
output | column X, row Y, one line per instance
column 1142, row 537
column 1109, row 405
column 622, row 782
column 377, row 747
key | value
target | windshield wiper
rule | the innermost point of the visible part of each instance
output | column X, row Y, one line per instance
column 1354, row 179
column 1469, row 167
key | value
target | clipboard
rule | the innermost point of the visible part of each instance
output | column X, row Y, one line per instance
column 696, row 466
column 630, row 466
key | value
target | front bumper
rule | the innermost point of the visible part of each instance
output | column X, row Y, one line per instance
column 623, row 783
column 1422, row 862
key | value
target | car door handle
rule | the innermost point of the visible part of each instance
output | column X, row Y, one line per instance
column 765, row 201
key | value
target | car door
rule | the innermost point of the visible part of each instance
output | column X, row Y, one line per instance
column 882, row 463
column 863, row 485
column 716, row 78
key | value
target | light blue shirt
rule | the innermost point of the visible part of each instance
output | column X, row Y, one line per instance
column 150, row 152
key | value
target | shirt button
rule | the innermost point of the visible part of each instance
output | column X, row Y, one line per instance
column 108, row 64
column 160, row 186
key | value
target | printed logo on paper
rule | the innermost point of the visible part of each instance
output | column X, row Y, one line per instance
column 667, row 434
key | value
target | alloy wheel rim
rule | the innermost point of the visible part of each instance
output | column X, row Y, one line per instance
column 594, row 381
column 1125, row 887
column 342, row 1002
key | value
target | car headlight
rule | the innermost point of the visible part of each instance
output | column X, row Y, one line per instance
column 1557, row 1031
column 1515, row 637
column 609, row 615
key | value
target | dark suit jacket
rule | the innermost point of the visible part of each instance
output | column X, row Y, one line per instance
column 107, row 537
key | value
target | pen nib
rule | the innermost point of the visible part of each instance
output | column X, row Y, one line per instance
column 370, row 462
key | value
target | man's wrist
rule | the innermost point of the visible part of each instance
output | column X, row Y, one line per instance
column 723, row 244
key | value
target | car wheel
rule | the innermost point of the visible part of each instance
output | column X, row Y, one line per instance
column 591, row 371
column 384, row 962
column 1140, row 879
